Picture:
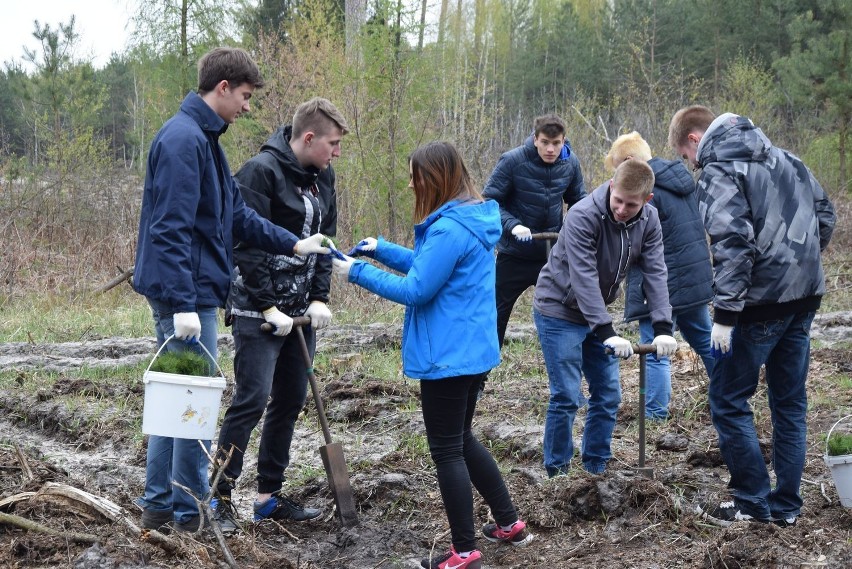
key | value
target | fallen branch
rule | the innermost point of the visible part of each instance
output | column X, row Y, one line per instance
column 117, row 280
column 29, row 525
column 25, row 464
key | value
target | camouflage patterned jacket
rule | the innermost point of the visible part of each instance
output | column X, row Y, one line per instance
column 768, row 220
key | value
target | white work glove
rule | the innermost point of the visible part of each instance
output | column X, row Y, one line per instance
column 522, row 233
column 187, row 327
column 342, row 267
column 317, row 243
column 666, row 345
column 319, row 314
column 281, row 323
column 720, row 340
column 365, row 246
column 619, row 346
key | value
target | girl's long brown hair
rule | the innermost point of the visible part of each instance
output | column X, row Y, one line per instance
column 439, row 176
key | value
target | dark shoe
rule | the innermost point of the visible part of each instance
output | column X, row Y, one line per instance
column 280, row 507
column 784, row 522
column 451, row 560
column 189, row 526
column 159, row 520
column 224, row 514
column 517, row 536
column 724, row 514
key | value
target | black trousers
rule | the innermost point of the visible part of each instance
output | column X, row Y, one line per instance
column 514, row 276
column 460, row 459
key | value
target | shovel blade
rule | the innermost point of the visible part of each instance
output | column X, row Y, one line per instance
column 338, row 481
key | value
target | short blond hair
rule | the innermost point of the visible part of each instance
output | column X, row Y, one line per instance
column 634, row 177
column 318, row 115
column 688, row 120
column 630, row 145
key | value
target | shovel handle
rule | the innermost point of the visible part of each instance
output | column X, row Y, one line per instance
column 546, row 236
column 639, row 349
column 297, row 321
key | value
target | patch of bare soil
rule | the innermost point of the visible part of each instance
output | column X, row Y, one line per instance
column 619, row 519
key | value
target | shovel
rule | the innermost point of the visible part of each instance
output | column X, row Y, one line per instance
column 641, row 350
column 331, row 453
column 549, row 237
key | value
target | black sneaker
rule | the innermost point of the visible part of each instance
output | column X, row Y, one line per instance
column 189, row 526
column 517, row 535
column 159, row 520
column 224, row 514
column 280, row 507
column 724, row 514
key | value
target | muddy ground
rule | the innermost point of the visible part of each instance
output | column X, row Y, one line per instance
column 618, row 519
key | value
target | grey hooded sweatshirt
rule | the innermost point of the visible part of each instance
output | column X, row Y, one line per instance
column 590, row 259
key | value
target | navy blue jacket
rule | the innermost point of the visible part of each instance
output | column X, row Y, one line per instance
column 191, row 213
column 686, row 253
column 531, row 192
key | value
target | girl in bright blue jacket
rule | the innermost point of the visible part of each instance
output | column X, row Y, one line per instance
column 449, row 336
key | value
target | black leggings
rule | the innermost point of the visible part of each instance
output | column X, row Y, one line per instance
column 460, row 459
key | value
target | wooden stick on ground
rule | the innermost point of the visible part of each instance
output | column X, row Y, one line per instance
column 29, row 525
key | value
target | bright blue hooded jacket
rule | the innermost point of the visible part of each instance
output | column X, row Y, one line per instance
column 447, row 287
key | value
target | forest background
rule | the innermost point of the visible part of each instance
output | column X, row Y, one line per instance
column 73, row 137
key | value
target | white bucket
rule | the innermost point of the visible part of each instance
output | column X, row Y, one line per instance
column 181, row 406
column 841, row 471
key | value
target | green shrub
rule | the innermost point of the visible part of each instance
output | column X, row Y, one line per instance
column 839, row 444
column 183, row 363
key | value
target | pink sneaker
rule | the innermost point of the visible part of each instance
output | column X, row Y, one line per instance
column 451, row 560
column 517, row 536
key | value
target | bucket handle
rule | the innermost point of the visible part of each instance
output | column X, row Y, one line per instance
column 203, row 347
column 828, row 436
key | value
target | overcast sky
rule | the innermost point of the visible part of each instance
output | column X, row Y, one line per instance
column 102, row 26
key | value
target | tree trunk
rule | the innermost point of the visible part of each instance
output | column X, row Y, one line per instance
column 422, row 25
column 355, row 14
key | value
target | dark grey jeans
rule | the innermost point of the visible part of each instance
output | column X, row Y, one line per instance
column 270, row 374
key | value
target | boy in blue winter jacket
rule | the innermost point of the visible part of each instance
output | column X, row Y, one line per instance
column 601, row 238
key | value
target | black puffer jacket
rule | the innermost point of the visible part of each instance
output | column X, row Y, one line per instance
column 302, row 200
column 687, row 255
column 531, row 192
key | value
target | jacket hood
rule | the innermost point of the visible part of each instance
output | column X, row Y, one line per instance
column 279, row 146
column 672, row 175
column 482, row 219
column 732, row 138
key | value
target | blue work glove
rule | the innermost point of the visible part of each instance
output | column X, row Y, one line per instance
column 366, row 246
column 187, row 327
column 720, row 340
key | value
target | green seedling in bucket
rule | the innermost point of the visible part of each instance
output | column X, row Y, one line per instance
column 182, row 363
column 839, row 444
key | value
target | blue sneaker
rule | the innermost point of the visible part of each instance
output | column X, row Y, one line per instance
column 280, row 507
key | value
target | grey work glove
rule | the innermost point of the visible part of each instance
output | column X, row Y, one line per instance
column 187, row 327
column 619, row 346
column 319, row 314
column 720, row 340
column 666, row 345
column 342, row 266
column 522, row 233
column 281, row 323
column 317, row 243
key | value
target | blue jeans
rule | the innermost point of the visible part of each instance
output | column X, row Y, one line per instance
column 179, row 460
column 694, row 325
column 783, row 346
column 264, row 365
column 571, row 351
column 460, row 459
